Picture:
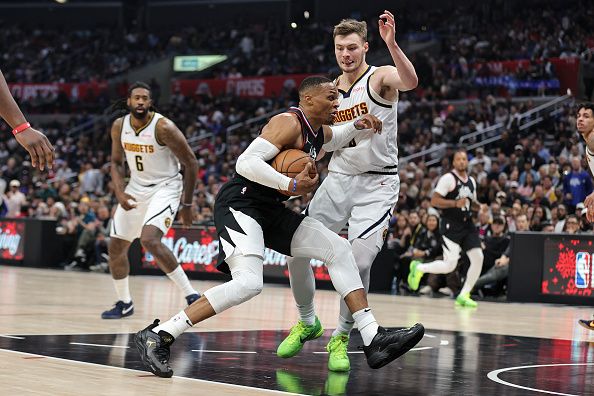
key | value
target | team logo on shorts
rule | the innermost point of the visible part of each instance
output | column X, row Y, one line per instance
column 167, row 222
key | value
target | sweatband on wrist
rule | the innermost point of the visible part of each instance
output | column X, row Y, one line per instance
column 21, row 128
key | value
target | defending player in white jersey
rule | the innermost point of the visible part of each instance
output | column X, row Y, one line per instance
column 362, row 185
column 585, row 126
column 153, row 147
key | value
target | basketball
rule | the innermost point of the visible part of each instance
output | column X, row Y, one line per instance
column 291, row 162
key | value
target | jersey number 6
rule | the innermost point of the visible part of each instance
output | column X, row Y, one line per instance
column 139, row 165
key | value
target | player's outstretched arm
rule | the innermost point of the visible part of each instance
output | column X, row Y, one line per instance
column 168, row 133
column 35, row 142
column 118, row 171
column 337, row 137
column 403, row 77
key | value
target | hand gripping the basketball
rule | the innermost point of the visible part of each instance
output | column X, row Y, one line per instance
column 305, row 184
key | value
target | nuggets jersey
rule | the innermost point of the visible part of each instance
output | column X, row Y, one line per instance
column 149, row 161
column 368, row 152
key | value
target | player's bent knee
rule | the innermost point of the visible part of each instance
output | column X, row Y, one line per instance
column 451, row 265
column 250, row 285
column 150, row 243
column 364, row 260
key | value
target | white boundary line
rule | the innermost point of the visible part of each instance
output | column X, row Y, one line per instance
column 14, row 337
column 351, row 352
column 99, row 345
column 148, row 372
column 493, row 376
column 211, row 351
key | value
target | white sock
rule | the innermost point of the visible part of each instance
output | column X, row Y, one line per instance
column 435, row 267
column 474, row 271
column 179, row 277
column 307, row 314
column 367, row 325
column 176, row 325
column 344, row 327
column 122, row 289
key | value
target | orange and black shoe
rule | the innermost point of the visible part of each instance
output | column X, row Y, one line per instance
column 588, row 324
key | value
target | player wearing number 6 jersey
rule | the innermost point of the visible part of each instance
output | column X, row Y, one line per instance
column 153, row 147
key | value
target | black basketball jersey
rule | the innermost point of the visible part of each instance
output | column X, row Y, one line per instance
column 312, row 144
column 462, row 190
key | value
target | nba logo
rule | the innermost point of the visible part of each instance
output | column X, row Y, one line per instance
column 583, row 268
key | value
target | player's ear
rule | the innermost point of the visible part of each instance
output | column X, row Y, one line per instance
column 128, row 102
column 366, row 47
column 309, row 100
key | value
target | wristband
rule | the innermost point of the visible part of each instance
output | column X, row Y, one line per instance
column 21, row 128
column 186, row 204
column 294, row 185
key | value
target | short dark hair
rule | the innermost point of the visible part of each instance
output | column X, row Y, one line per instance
column 585, row 105
column 312, row 82
column 458, row 150
column 139, row 84
column 498, row 220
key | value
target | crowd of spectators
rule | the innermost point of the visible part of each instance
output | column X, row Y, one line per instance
column 468, row 36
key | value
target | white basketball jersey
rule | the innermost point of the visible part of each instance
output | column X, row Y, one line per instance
column 368, row 151
column 150, row 162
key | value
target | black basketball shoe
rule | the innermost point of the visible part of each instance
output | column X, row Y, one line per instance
column 588, row 324
column 154, row 350
column 387, row 345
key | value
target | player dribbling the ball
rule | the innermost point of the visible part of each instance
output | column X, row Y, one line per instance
column 250, row 215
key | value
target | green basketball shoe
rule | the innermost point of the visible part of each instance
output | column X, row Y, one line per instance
column 297, row 337
column 338, row 360
column 464, row 300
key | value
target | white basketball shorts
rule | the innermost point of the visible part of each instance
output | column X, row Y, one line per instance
column 365, row 201
column 157, row 206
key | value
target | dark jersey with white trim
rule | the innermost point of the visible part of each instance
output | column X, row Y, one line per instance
column 463, row 189
column 312, row 144
column 262, row 204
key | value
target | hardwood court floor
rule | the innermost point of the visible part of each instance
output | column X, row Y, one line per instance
column 58, row 344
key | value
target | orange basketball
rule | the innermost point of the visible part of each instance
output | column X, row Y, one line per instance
column 291, row 162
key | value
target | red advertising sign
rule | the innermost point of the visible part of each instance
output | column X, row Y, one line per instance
column 12, row 240
column 254, row 87
column 27, row 91
column 197, row 250
column 566, row 70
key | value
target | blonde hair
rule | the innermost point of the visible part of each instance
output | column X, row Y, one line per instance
column 348, row 26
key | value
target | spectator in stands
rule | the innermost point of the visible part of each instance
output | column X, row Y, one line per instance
column 498, row 272
column 102, row 225
column 91, row 180
column 480, row 157
column 15, row 199
column 484, row 222
column 572, row 225
column 577, row 185
column 85, row 224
